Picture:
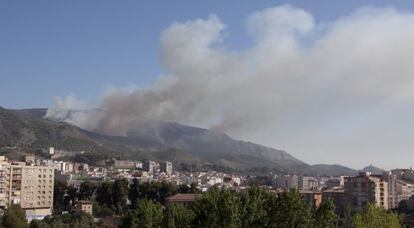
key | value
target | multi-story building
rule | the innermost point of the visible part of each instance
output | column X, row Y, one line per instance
column 404, row 190
column 314, row 199
column 338, row 197
column 29, row 186
column 303, row 183
column 149, row 166
column 366, row 188
column 124, row 164
column 166, row 167
column 391, row 179
column 287, row 181
column 404, row 174
column 332, row 183
column 307, row 183
column 5, row 172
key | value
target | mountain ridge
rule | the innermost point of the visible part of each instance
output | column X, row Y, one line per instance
column 150, row 138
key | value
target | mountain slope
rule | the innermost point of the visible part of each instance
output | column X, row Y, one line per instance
column 36, row 133
column 26, row 128
column 204, row 143
column 149, row 139
column 334, row 170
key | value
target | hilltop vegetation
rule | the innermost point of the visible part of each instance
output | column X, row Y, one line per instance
column 157, row 140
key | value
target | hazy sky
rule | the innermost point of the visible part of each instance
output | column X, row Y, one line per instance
column 328, row 81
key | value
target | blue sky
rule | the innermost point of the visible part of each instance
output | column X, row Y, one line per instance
column 320, row 79
column 54, row 48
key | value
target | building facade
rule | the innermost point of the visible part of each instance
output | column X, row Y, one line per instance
column 392, row 181
column 364, row 189
column 338, row 197
column 84, row 206
column 29, row 186
column 166, row 167
column 287, row 181
column 149, row 166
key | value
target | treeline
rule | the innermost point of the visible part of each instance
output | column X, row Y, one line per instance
column 15, row 217
column 114, row 197
column 254, row 208
column 144, row 205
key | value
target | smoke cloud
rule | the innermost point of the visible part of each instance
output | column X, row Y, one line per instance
column 303, row 85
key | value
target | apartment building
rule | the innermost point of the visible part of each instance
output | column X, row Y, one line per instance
column 149, row 166
column 314, row 199
column 29, row 186
column 5, row 172
column 307, row 183
column 166, row 167
column 338, row 197
column 124, row 164
column 287, row 181
column 392, row 181
column 404, row 190
column 366, row 188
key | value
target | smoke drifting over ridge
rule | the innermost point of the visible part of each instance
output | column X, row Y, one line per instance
column 344, row 79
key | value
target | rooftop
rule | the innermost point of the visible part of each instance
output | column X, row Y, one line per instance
column 183, row 197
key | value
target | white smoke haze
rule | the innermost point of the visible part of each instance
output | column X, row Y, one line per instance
column 326, row 92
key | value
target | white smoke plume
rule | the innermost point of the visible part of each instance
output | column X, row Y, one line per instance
column 303, row 85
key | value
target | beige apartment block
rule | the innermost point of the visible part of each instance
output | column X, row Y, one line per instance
column 29, row 186
column 366, row 188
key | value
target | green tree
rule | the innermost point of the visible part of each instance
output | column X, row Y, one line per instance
column 101, row 211
column 104, row 194
column 86, row 190
column 156, row 191
column 38, row 224
column 147, row 215
column 59, row 190
column 374, row 217
column 77, row 219
column 325, row 216
column 218, row 208
column 72, row 195
column 256, row 205
column 192, row 188
column 134, row 191
column 165, row 190
column 177, row 216
column 120, row 193
column 14, row 217
column 291, row 211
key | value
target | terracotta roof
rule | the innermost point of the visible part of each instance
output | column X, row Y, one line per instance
column 185, row 197
column 84, row 202
column 308, row 192
column 335, row 190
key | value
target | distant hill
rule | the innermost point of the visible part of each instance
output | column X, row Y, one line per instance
column 151, row 139
column 334, row 170
column 36, row 113
column 373, row 170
